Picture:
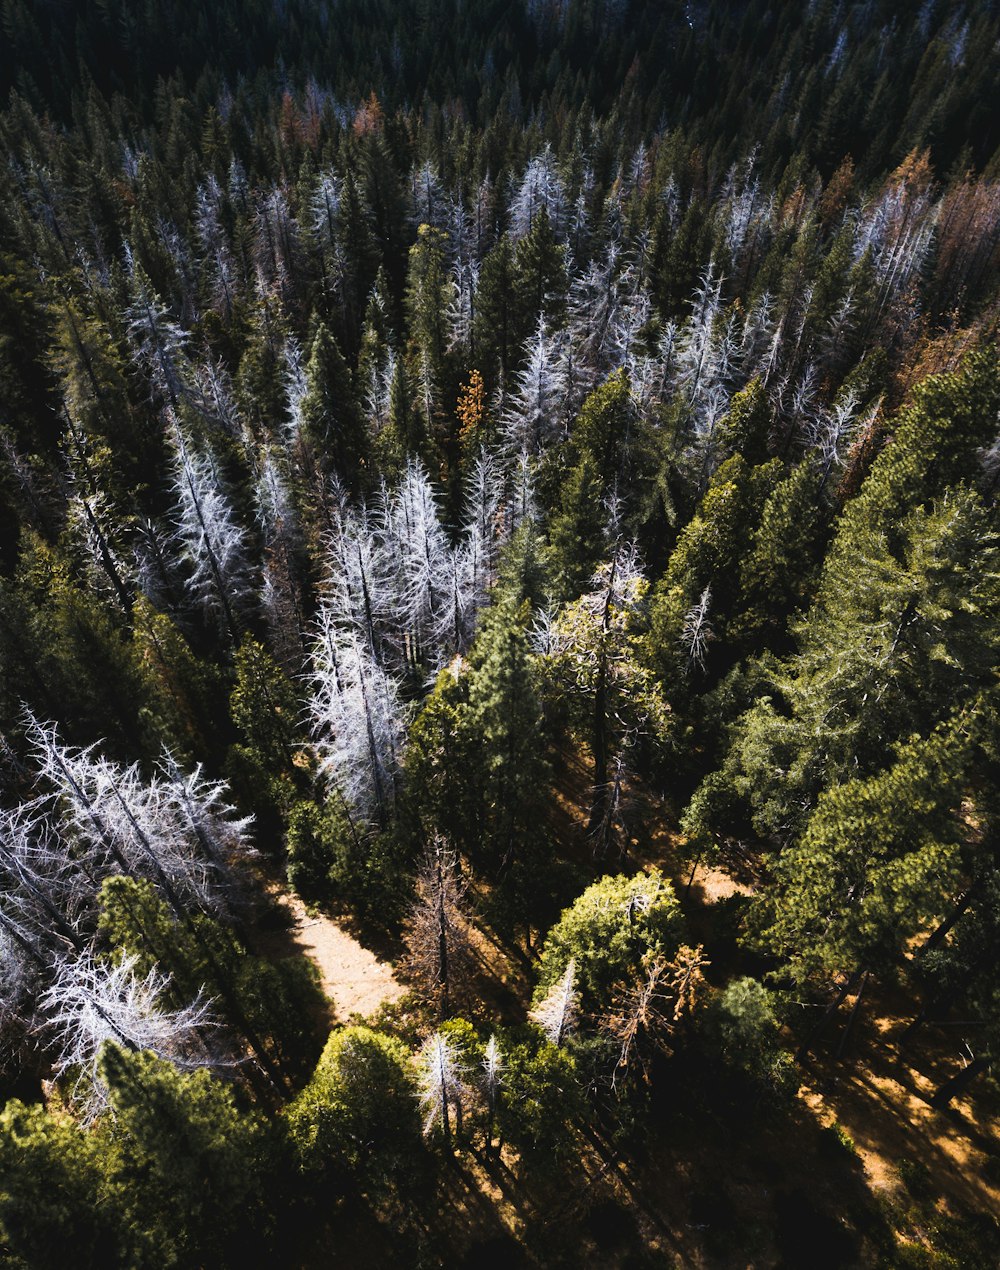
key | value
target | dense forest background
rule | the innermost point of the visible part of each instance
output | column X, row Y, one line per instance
column 520, row 480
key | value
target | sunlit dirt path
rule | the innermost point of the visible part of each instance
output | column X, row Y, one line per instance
column 354, row 979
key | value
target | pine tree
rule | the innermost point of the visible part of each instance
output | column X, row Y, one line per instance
column 605, row 934
column 576, row 530
column 590, row 653
column 202, row 1162
column 606, row 429
column 894, row 640
column 53, row 1197
column 330, row 411
column 877, row 862
column 556, row 1013
column 357, row 1115
column 503, row 717
column 89, row 1003
column 540, row 282
column 213, row 543
column 496, row 330
column 429, row 292
column 710, row 553
column 356, row 719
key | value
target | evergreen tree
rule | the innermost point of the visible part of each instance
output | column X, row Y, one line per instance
column 330, row 411
column 877, row 862
column 605, row 934
column 576, row 530
column 540, row 283
column 357, row 1116
column 504, row 715
column 202, row 1163
column 496, row 328
column 52, row 1197
column 891, row 644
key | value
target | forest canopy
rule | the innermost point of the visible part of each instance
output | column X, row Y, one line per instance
column 511, row 490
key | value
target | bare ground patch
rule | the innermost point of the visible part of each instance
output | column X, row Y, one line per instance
column 353, row 977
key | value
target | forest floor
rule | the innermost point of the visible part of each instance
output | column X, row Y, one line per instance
column 922, row 1167
column 354, row 979
column 880, row 1094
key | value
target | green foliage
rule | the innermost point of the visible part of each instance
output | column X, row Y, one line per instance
column 333, row 860
column 607, row 427
column 504, row 715
column 608, row 931
column 357, row 1117
column 741, row 1032
column 539, row 1103
column 441, row 750
column 576, row 530
column 264, row 707
column 778, row 572
column 475, row 769
column 593, row 675
column 26, row 383
column 51, row 1177
column 895, row 640
column 275, row 1005
column 934, row 447
column 330, row 212
column 330, row 411
column 523, row 572
column 71, row 652
column 840, row 1141
column 729, row 526
column 185, row 693
column 745, row 430
column 428, row 290
column 540, row 281
column 404, row 435
column 315, row 838
column 187, row 1170
column 878, row 861
column 496, row 331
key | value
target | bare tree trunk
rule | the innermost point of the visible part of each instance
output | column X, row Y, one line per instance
column 445, row 1119
column 442, row 933
column 956, row 1084
column 828, row 1014
column 694, row 870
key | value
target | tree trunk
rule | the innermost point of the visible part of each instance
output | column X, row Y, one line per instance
column 938, row 935
column 598, row 806
column 828, row 1014
column 694, row 870
column 956, row 1084
column 853, row 1015
column 442, row 917
column 445, row 1119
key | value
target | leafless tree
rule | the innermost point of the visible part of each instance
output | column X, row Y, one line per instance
column 438, row 939
column 556, row 1014
column 441, row 1082
column 645, row 1014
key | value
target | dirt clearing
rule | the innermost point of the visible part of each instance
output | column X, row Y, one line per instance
column 354, row 979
